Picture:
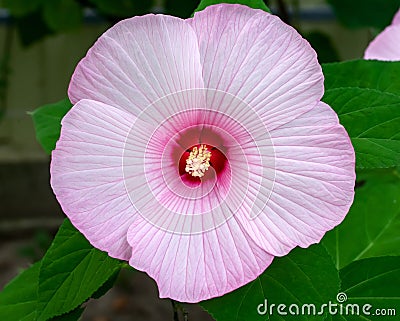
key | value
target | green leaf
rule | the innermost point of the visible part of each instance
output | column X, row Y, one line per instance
column 365, row 13
column 366, row 96
column 371, row 228
column 255, row 4
column 377, row 278
column 47, row 121
column 371, row 74
column 123, row 8
column 18, row 299
column 373, row 281
column 62, row 15
column 20, row 8
column 372, row 120
column 106, row 286
column 74, row 315
column 72, row 270
column 304, row 276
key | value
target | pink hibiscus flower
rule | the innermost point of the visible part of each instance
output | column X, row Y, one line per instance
column 386, row 45
column 199, row 149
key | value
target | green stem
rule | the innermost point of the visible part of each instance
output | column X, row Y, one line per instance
column 185, row 315
column 178, row 307
column 175, row 309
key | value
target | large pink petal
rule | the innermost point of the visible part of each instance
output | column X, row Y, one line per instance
column 137, row 62
column 199, row 266
column 87, row 176
column 257, row 58
column 386, row 45
column 313, row 187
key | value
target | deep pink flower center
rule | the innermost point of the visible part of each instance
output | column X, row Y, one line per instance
column 189, row 162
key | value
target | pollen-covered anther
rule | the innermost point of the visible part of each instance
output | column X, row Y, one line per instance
column 198, row 161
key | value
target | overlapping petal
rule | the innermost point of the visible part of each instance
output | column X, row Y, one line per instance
column 137, row 62
column 87, row 176
column 313, row 187
column 195, row 267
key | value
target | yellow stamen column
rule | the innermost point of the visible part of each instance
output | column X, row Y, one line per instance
column 198, row 161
